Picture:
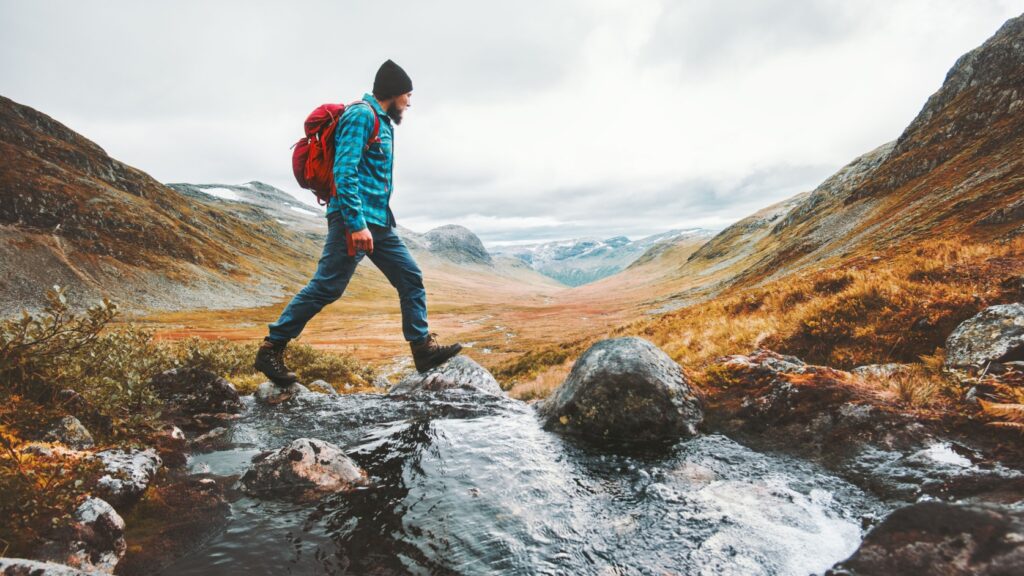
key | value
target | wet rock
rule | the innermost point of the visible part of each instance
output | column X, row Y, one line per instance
column 460, row 372
column 996, row 334
column 624, row 388
column 171, row 445
column 305, row 468
column 942, row 538
column 70, row 432
column 23, row 567
column 216, row 439
column 829, row 416
column 94, row 540
column 194, row 392
column 128, row 474
column 322, row 387
column 269, row 393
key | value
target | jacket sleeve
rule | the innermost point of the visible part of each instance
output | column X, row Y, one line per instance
column 354, row 129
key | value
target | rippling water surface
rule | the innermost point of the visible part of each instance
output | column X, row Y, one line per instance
column 469, row 484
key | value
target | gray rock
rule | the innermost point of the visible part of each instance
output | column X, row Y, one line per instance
column 70, row 432
column 459, row 372
column 996, row 334
column 624, row 388
column 193, row 392
column 270, row 393
column 322, row 387
column 880, row 370
column 941, row 538
column 23, row 567
column 128, row 474
column 171, row 445
column 215, row 439
column 305, row 468
column 93, row 542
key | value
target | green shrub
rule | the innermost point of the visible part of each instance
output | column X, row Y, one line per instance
column 57, row 349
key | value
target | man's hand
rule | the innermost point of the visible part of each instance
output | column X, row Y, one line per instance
column 363, row 240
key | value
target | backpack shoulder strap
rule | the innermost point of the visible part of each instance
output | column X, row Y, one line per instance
column 375, row 135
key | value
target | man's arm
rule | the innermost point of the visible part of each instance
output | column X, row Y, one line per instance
column 353, row 131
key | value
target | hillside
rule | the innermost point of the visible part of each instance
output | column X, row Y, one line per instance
column 74, row 216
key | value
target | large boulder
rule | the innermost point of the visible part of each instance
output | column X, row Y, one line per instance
column 942, row 539
column 94, row 541
column 305, row 468
column 624, row 388
column 996, row 334
column 460, row 372
column 196, row 398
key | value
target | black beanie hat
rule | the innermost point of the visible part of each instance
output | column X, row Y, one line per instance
column 391, row 81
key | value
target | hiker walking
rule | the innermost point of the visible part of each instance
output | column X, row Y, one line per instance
column 360, row 223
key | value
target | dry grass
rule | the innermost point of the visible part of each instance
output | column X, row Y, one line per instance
column 541, row 385
column 875, row 309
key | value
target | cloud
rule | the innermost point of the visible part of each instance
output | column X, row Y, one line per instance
column 533, row 119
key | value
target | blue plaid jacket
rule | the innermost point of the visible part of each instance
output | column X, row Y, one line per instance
column 363, row 175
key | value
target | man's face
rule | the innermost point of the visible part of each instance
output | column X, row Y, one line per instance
column 398, row 106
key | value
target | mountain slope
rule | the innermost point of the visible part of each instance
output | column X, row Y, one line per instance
column 73, row 215
column 957, row 169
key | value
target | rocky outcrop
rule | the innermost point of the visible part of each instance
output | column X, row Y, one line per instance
column 996, row 334
column 93, row 541
column 127, row 474
column 625, row 389
column 70, row 432
column 772, row 401
column 460, row 372
column 943, row 539
column 196, row 398
column 305, row 468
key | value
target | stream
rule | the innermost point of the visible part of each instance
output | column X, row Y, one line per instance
column 468, row 483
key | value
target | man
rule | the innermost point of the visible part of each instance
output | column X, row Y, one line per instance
column 362, row 173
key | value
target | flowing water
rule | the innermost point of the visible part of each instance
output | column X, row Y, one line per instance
column 470, row 484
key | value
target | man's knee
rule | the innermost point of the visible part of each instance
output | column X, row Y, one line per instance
column 323, row 291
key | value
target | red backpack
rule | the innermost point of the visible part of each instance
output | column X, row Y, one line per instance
column 313, row 158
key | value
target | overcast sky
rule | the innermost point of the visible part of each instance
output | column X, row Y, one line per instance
column 532, row 119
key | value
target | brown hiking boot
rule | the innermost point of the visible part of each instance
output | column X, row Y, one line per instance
column 270, row 361
column 429, row 354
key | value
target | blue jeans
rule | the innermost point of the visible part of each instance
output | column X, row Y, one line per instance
column 335, row 270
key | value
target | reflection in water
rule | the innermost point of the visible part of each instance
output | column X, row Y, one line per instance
column 468, row 484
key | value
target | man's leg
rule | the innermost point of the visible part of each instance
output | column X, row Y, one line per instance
column 332, row 275
column 392, row 257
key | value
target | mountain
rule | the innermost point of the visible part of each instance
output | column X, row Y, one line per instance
column 584, row 260
column 957, row 169
column 74, row 216
column 272, row 202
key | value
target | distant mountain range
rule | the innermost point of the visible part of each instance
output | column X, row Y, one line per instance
column 583, row 260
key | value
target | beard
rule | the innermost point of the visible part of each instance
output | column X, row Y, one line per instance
column 394, row 113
